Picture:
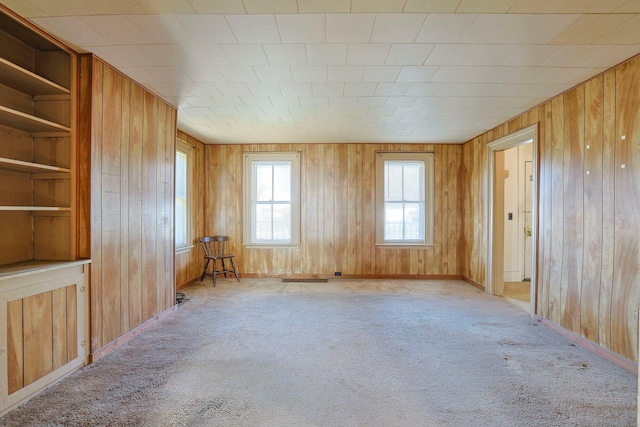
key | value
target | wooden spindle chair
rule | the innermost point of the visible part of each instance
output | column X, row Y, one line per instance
column 215, row 248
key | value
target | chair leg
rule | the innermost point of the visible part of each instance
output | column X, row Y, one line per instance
column 204, row 270
column 214, row 272
column 235, row 270
column 224, row 267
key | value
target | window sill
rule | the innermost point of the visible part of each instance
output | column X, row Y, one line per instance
column 405, row 245
column 183, row 249
column 270, row 246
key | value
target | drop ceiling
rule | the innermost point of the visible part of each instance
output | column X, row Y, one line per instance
column 305, row 71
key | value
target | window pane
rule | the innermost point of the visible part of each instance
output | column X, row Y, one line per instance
column 264, row 187
column 181, row 222
column 282, row 182
column 263, row 222
column 393, row 218
column 413, row 181
column 181, row 163
column 282, row 222
column 181, row 199
column 413, row 223
column 393, row 180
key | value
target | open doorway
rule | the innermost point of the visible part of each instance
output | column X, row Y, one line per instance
column 511, row 213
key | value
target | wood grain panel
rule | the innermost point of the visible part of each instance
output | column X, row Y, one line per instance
column 59, row 321
column 132, row 153
column 37, row 330
column 15, row 346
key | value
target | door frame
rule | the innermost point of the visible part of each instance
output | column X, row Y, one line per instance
column 495, row 230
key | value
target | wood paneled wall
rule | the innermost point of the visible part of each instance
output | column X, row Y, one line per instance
column 189, row 262
column 588, row 205
column 338, row 212
column 127, row 156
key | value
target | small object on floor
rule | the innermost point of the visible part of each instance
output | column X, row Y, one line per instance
column 181, row 297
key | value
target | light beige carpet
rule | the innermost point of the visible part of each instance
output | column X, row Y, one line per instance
column 343, row 353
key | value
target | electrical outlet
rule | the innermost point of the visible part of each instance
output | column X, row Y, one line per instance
column 338, row 273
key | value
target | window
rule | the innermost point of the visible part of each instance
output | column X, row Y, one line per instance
column 404, row 199
column 272, row 198
column 183, row 193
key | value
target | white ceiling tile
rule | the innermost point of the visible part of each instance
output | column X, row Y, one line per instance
column 270, row 6
column 250, row 111
column 493, row 28
column 161, row 28
column 207, row 28
column 482, row 74
column 568, row 75
column 392, row 89
column 197, row 111
column 530, row 55
column 423, row 89
column 233, row 89
column 450, row 54
column 158, row 7
column 72, row 28
column 202, row 89
column 355, row 111
column 245, row 54
column 324, row 6
column 592, row 6
column 205, row 54
column 256, row 101
column 229, row 101
column 296, row 89
column 29, row 9
column 237, row 73
column 400, row 101
column 264, row 89
column 540, row 29
column 117, row 30
column 345, row 73
column 309, row 73
column 490, row 54
column 484, row 6
column 381, row 73
column 538, row 6
column 254, row 28
column 327, row 54
column 445, row 28
column 381, row 6
column 350, row 27
column 273, row 73
column 140, row 75
column 200, row 101
column 381, row 111
column 608, row 55
column 344, row 102
column 627, row 33
column 372, row 101
column 124, row 56
column 61, row 8
column 431, row 6
column 170, row 89
column 276, row 111
column 572, row 56
column 397, row 27
column 166, row 54
column 208, row 7
column 328, row 89
column 367, row 54
column 285, row 101
column 417, row 73
column 314, row 102
column 308, row 28
column 203, row 74
column 286, row 54
column 168, row 74
column 589, row 28
column 360, row 89
column 408, row 54
column 631, row 6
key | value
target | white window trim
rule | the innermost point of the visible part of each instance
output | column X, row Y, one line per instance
column 247, row 183
column 188, row 150
column 428, row 160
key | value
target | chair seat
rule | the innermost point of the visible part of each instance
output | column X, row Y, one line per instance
column 214, row 248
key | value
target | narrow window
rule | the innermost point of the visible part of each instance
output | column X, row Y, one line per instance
column 183, row 194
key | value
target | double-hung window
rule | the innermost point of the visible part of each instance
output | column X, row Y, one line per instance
column 404, row 199
column 272, row 198
column 183, row 195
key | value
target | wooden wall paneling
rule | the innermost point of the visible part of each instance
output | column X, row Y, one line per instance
column 15, row 346
column 135, row 219
column 626, row 274
column 72, row 325
column 84, row 103
column 125, row 114
column 341, row 207
column 454, row 210
column 311, row 221
column 557, row 212
column 573, row 240
column 38, row 330
column 59, row 327
column 439, row 213
column 592, row 202
column 545, row 160
column 368, row 208
column 111, row 205
column 149, row 204
column 608, row 208
column 163, row 280
column 352, row 211
column 328, row 209
column 96, row 205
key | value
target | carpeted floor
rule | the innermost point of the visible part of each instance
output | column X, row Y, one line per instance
column 343, row 353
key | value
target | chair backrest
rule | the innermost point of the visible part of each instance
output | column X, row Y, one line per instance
column 214, row 245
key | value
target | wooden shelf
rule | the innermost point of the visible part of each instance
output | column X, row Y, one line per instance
column 27, row 122
column 20, row 166
column 36, row 208
column 27, row 82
